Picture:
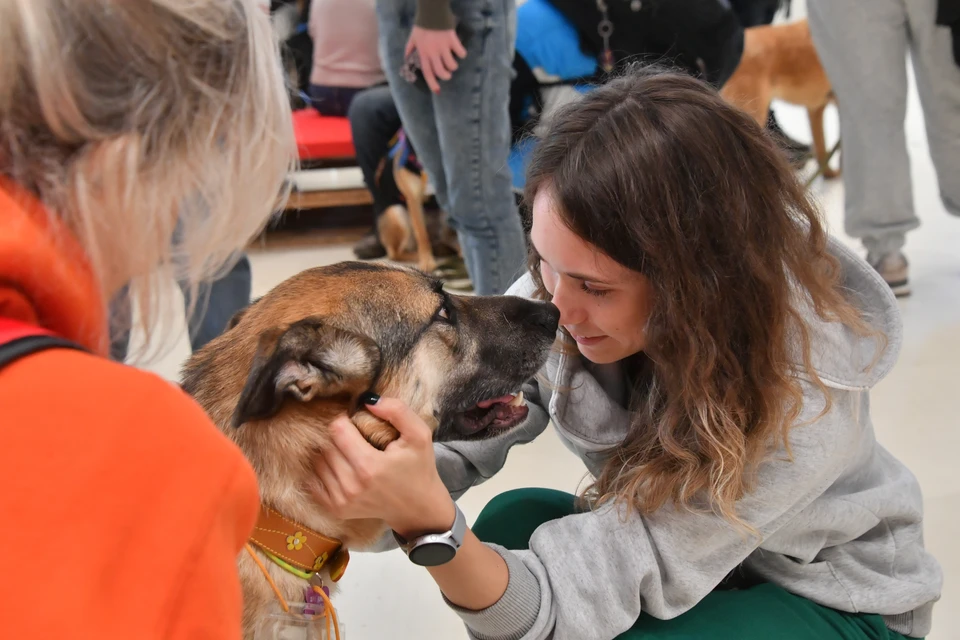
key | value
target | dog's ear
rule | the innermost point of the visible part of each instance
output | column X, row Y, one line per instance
column 238, row 316
column 305, row 360
column 235, row 318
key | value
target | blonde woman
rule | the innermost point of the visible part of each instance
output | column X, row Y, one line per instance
column 713, row 375
column 123, row 506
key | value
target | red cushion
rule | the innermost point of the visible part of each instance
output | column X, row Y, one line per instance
column 320, row 137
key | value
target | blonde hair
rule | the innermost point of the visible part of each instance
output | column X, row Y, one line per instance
column 129, row 117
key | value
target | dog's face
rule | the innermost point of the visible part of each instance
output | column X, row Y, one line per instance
column 305, row 353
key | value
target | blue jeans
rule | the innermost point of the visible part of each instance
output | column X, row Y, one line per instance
column 374, row 122
column 332, row 101
column 218, row 301
column 462, row 135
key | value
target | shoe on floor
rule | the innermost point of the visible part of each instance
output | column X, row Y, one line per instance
column 895, row 270
column 369, row 248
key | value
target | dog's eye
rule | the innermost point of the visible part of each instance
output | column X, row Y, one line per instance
column 444, row 313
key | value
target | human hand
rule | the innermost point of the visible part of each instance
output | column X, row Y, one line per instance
column 398, row 485
column 436, row 50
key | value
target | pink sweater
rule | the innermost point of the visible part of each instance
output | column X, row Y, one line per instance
column 345, row 37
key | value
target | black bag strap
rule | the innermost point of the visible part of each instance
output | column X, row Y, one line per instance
column 18, row 341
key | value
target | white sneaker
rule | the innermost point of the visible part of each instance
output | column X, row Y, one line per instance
column 895, row 270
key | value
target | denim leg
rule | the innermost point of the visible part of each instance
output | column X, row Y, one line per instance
column 414, row 106
column 332, row 101
column 217, row 302
column 374, row 121
column 462, row 135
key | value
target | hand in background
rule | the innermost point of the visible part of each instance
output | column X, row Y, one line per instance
column 436, row 50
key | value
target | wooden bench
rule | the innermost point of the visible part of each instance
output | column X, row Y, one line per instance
column 328, row 176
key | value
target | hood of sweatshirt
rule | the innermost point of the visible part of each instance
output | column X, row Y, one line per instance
column 45, row 277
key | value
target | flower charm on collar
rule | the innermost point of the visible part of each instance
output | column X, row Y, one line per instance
column 295, row 542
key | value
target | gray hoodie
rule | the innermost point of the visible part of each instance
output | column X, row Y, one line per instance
column 840, row 524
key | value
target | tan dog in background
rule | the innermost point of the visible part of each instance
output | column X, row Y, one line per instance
column 402, row 228
column 305, row 353
column 780, row 61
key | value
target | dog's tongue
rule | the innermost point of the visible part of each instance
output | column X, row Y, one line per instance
column 497, row 412
column 486, row 404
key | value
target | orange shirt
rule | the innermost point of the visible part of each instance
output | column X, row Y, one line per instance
column 122, row 507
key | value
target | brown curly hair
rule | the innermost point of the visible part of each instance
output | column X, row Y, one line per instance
column 666, row 178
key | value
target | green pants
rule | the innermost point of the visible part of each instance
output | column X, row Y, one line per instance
column 762, row 612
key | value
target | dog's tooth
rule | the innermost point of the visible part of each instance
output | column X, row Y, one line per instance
column 517, row 401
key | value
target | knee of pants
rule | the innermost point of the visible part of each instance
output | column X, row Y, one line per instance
column 361, row 108
column 510, row 518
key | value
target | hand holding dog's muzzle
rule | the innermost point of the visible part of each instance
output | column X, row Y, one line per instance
column 399, row 485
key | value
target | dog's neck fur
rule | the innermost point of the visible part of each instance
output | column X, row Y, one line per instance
column 294, row 435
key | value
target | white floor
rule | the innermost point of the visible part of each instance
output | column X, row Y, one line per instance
column 914, row 409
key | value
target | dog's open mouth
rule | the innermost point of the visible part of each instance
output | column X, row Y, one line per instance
column 496, row 413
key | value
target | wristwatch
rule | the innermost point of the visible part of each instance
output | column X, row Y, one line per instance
column 435, row 549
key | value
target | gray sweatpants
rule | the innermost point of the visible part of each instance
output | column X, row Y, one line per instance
column 863, row 45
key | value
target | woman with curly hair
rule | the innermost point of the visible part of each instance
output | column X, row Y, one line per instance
column 712, row 371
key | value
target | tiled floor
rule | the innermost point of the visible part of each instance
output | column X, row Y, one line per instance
column 914, row 409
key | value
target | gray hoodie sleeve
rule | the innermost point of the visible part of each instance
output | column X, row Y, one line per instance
column 590, row 575
column 466, row 463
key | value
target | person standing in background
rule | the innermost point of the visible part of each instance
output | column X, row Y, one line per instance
column 345, row 59
column 207, row 311
column 459, row 121
column 864, row 52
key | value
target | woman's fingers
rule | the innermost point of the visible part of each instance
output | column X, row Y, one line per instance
column 438, row 52
column 342, row 466
column 327, row 491
column 449, row 63
column 426, row 66
column 350, row 442
column 458, row 47
column 411, row 427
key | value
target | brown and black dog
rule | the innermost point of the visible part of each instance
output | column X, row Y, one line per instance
column 780, row 61
column 304, row 353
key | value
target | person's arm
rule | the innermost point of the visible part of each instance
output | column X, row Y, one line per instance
column 591, row 574
column 462, row 465
column 358, row 481
column 477, row 576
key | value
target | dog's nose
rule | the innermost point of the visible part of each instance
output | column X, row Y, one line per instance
column 547, row 317
column 528, row 314
column 540, row 315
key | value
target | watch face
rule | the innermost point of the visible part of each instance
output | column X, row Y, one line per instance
column 432, row 554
